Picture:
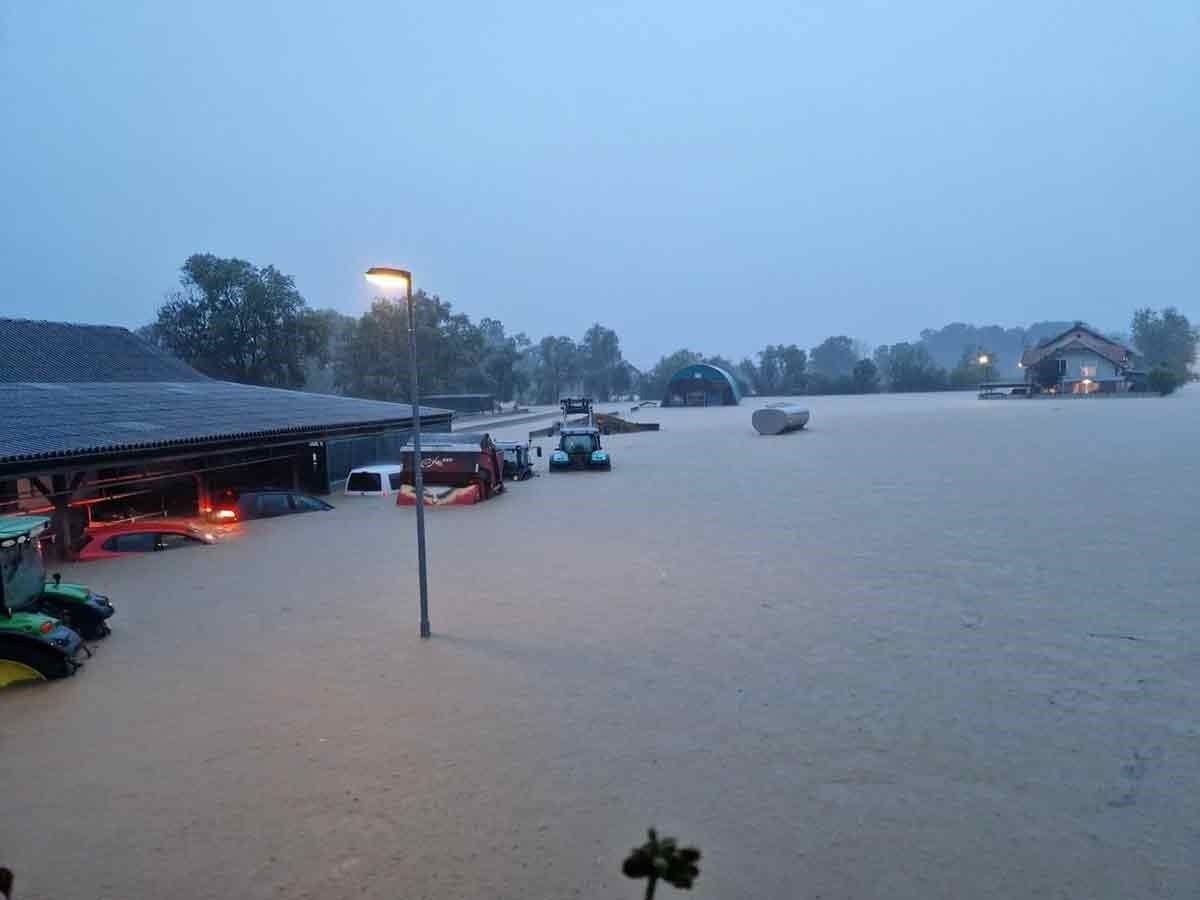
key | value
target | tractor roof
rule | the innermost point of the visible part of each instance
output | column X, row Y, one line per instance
column 15, row 526
column 582, row 429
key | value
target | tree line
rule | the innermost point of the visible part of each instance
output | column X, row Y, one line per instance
column 239, row 322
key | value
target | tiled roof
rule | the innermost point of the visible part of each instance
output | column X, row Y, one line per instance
column 63, row 352
column 56, row 422
column 1080, row 337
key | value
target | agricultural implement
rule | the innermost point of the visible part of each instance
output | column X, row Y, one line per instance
column 457, row 469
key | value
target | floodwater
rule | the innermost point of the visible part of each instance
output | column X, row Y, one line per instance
column 931, row 648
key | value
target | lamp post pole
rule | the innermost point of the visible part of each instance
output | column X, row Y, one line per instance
column 418, row 473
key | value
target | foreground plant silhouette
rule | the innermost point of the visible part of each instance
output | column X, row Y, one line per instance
column 655, row 859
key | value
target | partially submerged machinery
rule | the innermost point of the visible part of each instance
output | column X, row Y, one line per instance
column 42, row 623
column 610, row 423
column 576, row 406
column 779, row 419
column 457, row 469
column 516, row 458
column 579, row 448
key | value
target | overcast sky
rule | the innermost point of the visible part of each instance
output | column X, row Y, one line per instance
column 716, row 176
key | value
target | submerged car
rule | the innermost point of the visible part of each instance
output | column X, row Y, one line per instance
column 42, row 623
column 113, row 541
column 266, row 504
column 579, row 448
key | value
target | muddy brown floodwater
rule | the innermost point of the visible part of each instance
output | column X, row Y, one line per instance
column 930, row 648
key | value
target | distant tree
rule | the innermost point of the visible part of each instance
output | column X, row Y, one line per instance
column 235, row 321
column 783, row 370
column 320, row 367
column 501, row 353
column 835, row 357
column 865, row 377
column 910, row 368
column 1163, row 380
column 653, row 384
column 748, row 372
column 373, row 360
column 601, row 361
column 1166, row 338
column 560, row 362
column 969, row 371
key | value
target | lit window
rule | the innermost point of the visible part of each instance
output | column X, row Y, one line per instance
column 1087, row 371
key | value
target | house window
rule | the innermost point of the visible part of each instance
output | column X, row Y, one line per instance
column 1088, row 371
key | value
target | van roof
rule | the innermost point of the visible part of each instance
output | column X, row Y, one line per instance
column 379, row 468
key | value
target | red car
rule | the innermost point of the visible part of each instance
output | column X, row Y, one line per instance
column 114, row 541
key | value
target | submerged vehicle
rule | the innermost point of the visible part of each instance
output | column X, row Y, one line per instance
column 456, row 469
column 42, row 624
column 517, row 459
column 148, row 536
column 380, row 480
column 265, row 504
column 579, row 448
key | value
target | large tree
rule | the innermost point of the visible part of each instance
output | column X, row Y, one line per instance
column 782, row 370
column 601, row 362
column 865, row 377
column 909, row 367
column 500, row 361
column 1166, row 339
column 373, row 361
column 235, row 321
column 559, row 364
column 835, row 357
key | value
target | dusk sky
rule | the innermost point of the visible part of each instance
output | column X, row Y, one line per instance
column 712, row 176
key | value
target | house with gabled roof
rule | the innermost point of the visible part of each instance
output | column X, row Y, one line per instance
column 1082, row 361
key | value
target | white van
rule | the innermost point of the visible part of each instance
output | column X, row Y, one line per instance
column 381, row 480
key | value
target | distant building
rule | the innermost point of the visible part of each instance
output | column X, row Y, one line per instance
column 463, row 403
column 1082, row 361
column 701, row 384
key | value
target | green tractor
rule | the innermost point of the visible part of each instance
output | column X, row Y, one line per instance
column 42, row 624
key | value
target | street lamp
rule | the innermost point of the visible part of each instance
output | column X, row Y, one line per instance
column 985, row 363
column 390, row 280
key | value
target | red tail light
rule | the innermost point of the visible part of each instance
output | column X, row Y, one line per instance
column 46, row 627
column 226, row 515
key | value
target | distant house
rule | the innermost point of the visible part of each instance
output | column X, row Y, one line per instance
column 1082, row 361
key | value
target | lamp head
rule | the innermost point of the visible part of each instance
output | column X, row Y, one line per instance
column 389, row 279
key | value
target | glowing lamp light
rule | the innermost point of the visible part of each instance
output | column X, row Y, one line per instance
column 389, row 279
column 983, row 359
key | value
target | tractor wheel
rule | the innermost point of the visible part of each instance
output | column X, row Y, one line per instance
column 26, row 660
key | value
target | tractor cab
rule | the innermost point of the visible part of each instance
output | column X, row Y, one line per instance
column 517, row 459
column 39, row 637
column 579, row 448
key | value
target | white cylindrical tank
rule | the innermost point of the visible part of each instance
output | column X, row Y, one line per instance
column 779, row 419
